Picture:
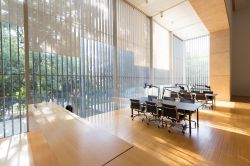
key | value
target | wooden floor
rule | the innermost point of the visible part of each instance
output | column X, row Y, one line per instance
column 58, row 137
column 223, row 137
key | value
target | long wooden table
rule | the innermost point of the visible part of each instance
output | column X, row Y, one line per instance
column 58, row 137
column 73, row 141
column 190, row 108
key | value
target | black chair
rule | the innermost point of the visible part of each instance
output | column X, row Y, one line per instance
column 151, row 97
column 184, row 100
column 152, row 109
column 171, row 113
column 187, row 96
column 196, row 91
column 209, row 97
column 200, row 97
column 183, row 111
column 168, row 98
column 208, row 92
column 163, row 115
column 135, row 105
column 174, row 95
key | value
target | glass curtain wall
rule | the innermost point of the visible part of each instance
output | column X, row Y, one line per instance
column 161, row 58
column 191, row 61
column 197, row 60
column 178, row 61
column 12, row 73
column 133, row 39
column 71, row 53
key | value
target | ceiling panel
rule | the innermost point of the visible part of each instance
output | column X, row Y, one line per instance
column 192, row 31
column 153, row 7
column 178, row 17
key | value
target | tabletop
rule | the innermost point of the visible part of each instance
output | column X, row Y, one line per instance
column 179, row 105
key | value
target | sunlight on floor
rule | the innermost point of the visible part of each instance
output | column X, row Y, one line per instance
column 216, row 113
column 229, row 128
column 225, row 104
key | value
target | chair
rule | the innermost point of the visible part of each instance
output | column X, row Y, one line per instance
column 183, row 111
column 168, row 98
column 196, row 91
column 186, row 96
column 209, row 97
column 163, row 115
column 171, row 113
column 200, row 97
column 174, row 95
column 152, row 109
column 135, row 105
column 151, row 97
column 184, row 100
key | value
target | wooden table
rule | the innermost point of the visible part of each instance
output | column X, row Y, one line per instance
column 190, row 108
column 73, row 141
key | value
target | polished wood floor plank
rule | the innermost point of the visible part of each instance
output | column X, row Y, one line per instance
column 135, row 157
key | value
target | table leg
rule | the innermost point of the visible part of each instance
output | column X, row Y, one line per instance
column 189, row 122
column 214, row 101
column 197, row 117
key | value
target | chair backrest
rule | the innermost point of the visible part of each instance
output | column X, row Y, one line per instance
column 186, row 96
column 174, row 95
column 151, row 97
column 170, row 112
column 169, row 106
column 151, row 107
column 208, row 92
column 135, row 104
column 183, row 91
column 200, row 96
column 187, row 100
column 168, row 98
column 196, row 91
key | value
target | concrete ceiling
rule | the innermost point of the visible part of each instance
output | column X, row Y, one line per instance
column 154, row 7
column 183, row 21
column 178, row 16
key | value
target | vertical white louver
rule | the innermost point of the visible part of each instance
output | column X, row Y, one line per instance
column 133, row 39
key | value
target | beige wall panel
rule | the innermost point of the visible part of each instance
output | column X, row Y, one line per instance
column 220, row 41
column 220, row 63
column 221, row 86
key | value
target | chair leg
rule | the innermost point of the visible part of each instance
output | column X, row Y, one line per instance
column 155, row 118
